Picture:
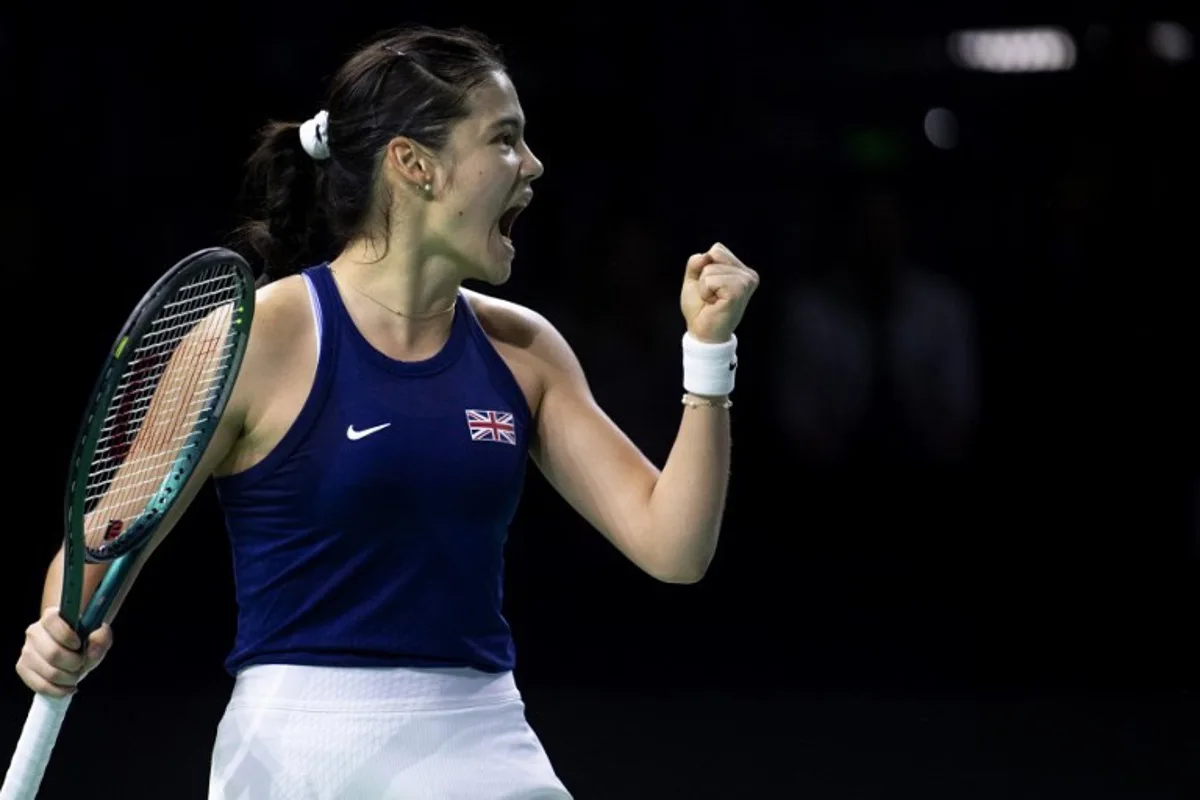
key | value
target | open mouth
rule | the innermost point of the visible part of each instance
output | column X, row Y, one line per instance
column 507, row 219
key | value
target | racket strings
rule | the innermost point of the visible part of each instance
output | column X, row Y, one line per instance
column 167, row 391
column 142, row 404
column 132, row 406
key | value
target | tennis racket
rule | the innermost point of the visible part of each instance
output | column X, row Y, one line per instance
column 151, row 416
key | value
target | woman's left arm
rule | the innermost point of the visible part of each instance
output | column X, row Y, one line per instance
column 665, row 521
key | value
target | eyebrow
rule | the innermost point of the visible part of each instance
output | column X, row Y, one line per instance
column 509, row 122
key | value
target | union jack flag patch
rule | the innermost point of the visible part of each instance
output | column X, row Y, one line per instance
column 491, row 426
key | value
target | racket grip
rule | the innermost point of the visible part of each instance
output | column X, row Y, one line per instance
column 33, row 749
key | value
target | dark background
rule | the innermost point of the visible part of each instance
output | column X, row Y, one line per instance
column 983, row 592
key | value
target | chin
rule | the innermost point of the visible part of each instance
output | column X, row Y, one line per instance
column 493, row 273
column 499, row 273
column 496, row 268
column 487, row 267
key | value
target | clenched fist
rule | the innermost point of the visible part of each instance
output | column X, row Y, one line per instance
column 716, row 288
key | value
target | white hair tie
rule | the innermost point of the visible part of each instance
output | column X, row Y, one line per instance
column 314, row 136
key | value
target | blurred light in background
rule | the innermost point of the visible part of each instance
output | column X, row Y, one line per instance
column 1170, row 41
column 1013, row 50
column 941, row 128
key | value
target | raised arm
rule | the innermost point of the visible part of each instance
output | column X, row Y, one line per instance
column 666, row 521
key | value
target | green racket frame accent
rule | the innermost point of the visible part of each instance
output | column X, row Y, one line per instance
column 123, row 557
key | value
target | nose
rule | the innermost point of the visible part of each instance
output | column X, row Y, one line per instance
column 532, row 169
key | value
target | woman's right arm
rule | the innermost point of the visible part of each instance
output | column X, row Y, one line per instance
column 51, row 660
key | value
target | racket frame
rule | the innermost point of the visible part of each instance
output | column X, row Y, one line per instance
column 123, row 554
column 46, row 714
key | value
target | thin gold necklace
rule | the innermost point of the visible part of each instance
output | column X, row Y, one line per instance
column 385, row 306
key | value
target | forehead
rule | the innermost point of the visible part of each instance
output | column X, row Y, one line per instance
column 495, row 100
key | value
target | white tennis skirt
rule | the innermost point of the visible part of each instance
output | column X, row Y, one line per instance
column 333, row 733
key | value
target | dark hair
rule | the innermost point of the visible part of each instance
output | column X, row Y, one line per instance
column 414, row 82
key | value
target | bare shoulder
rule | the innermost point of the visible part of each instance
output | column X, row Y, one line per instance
column 282, row 326
column 282, row 315
column 522, row 332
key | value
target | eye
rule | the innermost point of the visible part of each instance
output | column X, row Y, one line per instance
column 508, row 138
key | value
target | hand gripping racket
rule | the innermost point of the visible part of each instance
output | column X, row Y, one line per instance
column 151, row 416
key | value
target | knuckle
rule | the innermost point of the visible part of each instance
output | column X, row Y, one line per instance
column 42, row 645
column 67, row 641
column 31, row 678
column 63, row 678
column 66, row 660
column 54, row 653
column 53, row 675
column 31, row 657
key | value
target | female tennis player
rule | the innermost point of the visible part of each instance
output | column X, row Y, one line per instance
column 373, row 451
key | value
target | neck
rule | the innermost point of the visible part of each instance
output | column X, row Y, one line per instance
column 408, row 301
column 406, row 283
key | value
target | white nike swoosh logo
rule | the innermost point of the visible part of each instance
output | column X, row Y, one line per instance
column 354, row 435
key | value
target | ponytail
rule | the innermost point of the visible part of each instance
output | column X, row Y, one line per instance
column 288, row 228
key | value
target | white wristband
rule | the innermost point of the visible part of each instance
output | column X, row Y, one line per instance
column 709, row 369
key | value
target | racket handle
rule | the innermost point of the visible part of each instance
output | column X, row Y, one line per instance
column 33, row 749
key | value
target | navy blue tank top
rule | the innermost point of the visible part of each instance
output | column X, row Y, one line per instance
column 373, row 534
